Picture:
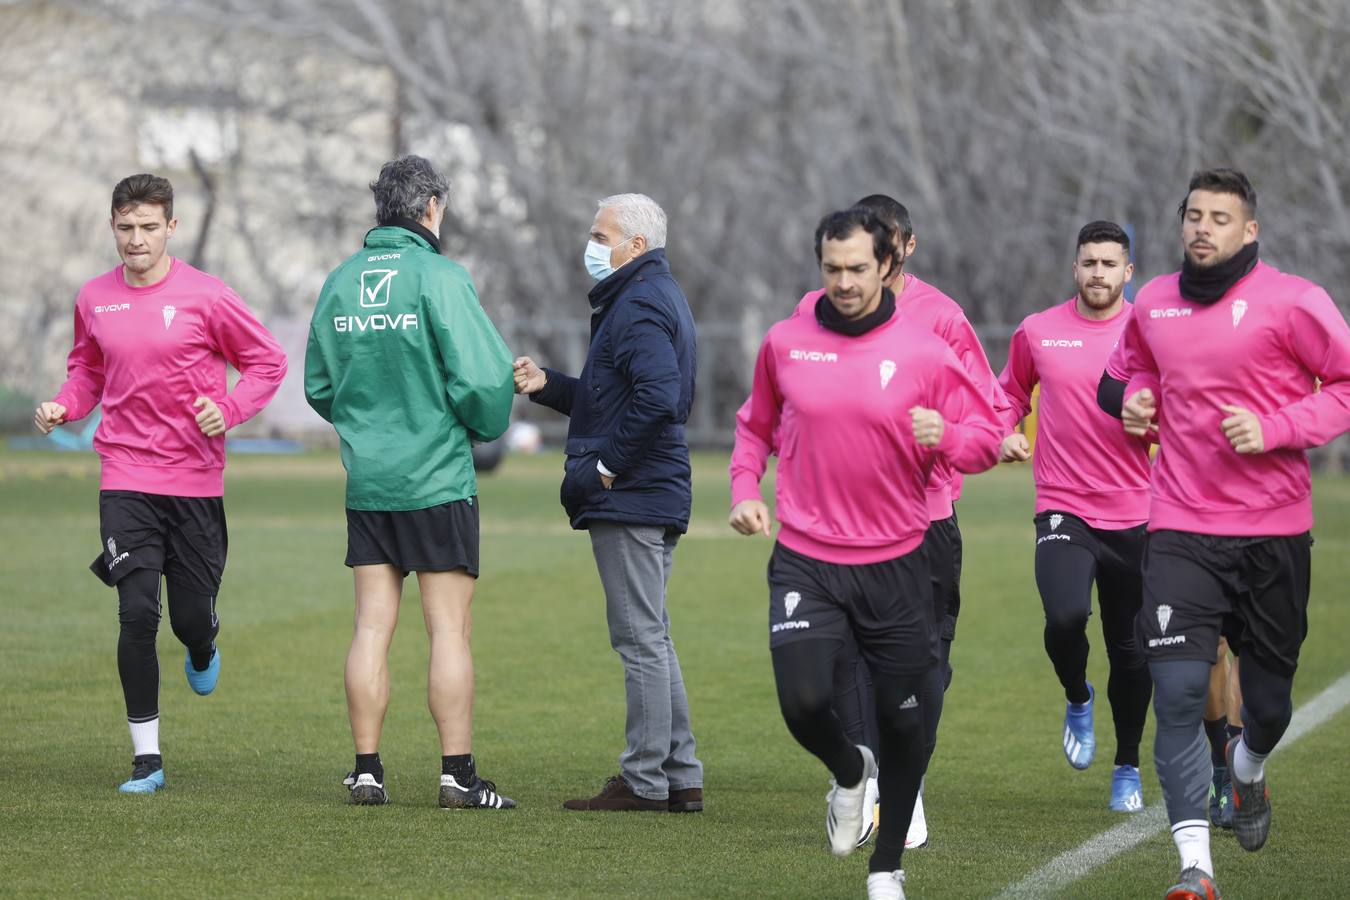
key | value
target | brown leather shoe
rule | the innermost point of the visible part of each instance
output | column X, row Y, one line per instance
column 616, row 796
column 687, row 800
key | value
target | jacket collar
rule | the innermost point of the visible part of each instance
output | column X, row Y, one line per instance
column 391, row 231
column 653, row 262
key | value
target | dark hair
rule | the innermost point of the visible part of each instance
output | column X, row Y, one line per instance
column 892, row 212
column 405, row 187
column 1103, row 232
column 1222, row 181
column 144, row 188
column 839, row 225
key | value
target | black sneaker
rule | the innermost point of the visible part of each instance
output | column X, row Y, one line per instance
column 366, row 791
column 1251, row 807
column 480, row 794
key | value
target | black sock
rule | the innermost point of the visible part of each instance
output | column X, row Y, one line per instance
column 369, row 764
column 1217, row 733
column 461, row 767
column 1234, row 731
column 1073, row 694
column 201, row 658
column 153, row 760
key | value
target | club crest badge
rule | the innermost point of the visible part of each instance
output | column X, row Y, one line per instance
column 112, row 547
column 790, row 601
column 1055, row 520
column 168, row 316
column 1239, row 310
column 1164, row 616
column 887, row 372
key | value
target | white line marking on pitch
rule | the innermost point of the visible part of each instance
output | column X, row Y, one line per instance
column 1069, row 867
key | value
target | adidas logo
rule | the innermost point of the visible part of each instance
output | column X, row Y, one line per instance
column 911, row 703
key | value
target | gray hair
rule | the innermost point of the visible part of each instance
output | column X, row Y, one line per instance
column 405, row 187
column 638, row 214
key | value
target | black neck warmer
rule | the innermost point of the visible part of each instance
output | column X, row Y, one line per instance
column 830, row 318
column 1207, row 284
column 418, row 229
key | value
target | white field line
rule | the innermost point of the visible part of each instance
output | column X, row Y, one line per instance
column 1069, row 867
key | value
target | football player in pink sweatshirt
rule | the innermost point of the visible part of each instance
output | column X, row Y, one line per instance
column 858, row 405
column 1222, row 360
column 152, row 338
column 923, row 306
column 1091, row 500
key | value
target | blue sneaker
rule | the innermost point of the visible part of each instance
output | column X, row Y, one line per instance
column 144, row 780
column 203, row 682
column 1127, row 794
column 1079, row 742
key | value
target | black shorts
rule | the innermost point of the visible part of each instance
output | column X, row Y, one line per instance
column 1253, row 590
column 1118, row 553
column 183, row 537
column 436, row 539
column 942, row 543
column 888, row 607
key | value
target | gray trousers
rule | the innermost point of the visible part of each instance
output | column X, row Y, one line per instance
column 634, row 563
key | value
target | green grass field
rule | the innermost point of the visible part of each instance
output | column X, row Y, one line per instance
column 254, row 805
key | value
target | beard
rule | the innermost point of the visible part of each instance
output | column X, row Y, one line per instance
column 1094, row 299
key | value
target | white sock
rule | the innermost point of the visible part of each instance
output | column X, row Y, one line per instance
column 1192, row 840
column 145, row 737
column 1248, row 766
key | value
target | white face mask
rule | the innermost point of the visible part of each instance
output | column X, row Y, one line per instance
column 597, row 259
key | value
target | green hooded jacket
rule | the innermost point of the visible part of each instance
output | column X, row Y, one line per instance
column 409, row 369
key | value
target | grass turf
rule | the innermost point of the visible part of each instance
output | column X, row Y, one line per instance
column 254, row 805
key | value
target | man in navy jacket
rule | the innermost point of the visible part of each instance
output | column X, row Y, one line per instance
column 626, row 480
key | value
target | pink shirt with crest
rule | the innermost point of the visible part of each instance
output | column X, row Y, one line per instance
column 850, row 479
column 146, row 353
column 923, row 305
column 1262, row 346
column 1084, row 462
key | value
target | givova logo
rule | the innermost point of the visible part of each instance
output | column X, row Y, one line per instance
column 375, row 285
column 1170, row 312
column 1060, row 342
column 813, row 356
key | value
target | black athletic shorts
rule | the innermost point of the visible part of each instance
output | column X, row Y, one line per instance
column 888, row 606
column 942, row 543
column 1253, row 590
column 436, row 539
column 183, row 537
column 1119, row 553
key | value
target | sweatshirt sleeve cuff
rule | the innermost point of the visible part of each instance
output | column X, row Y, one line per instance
column 744, row 486
column 952, row 440
column 1139, row 382
column 1275, row 432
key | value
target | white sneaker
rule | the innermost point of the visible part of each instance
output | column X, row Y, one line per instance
column 871, row 800
column 886, row 885
column 917, row 836
column 847, row 810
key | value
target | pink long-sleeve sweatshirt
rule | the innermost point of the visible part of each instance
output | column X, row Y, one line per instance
column 850, row 478
column 1261, row 346
column 927, row 307
column 1084, row 461
column 147, row 353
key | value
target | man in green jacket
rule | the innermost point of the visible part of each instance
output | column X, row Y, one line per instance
column 408, row 368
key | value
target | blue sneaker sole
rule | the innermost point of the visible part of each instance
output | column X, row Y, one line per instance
column 147, row 785
column 203, row 682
